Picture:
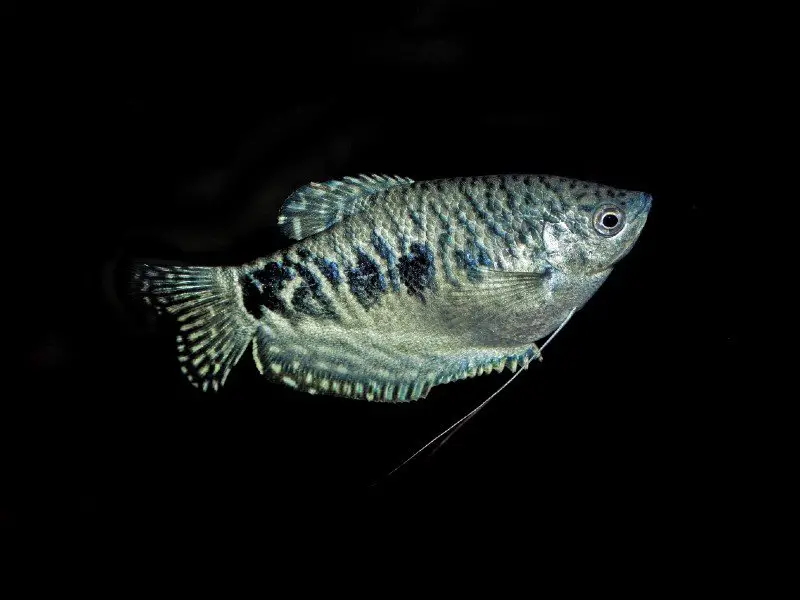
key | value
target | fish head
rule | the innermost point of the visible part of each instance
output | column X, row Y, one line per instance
column 593, row 227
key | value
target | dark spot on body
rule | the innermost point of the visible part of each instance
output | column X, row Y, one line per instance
column 251, row 296
column 308, row 297
column 417, row 270
column 366, row 281
column 329, row 269
column 303, row 300
column 261, row 289
column 528, row 180
column 483, row 258
column 310, row 300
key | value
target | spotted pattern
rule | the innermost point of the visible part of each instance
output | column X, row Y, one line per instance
column 418, row 270
column 308, row 297
column 261, row 288
column 366, row 281
column 487, row 220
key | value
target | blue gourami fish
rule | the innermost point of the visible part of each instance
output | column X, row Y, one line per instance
column 395, row 286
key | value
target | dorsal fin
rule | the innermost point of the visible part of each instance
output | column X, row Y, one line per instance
column 316, row 206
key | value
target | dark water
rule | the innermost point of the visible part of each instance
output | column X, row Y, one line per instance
column 181, row 136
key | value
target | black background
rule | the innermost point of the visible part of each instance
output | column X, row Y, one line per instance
column 179, row 133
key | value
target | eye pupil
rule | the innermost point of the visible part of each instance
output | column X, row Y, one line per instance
column 610, row 221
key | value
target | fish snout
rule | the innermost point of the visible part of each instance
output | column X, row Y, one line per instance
column 640, row 205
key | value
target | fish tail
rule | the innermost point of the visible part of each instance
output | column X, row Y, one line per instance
column 214, row 329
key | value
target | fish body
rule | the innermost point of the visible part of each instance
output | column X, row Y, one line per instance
column 394, row 286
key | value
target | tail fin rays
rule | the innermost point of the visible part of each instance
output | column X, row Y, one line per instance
column 214, row 330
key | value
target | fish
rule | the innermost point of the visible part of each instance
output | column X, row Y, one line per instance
column 390, row 286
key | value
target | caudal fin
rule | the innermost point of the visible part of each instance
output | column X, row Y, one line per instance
column 214, row 329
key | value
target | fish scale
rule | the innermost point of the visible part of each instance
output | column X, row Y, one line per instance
column 394, row 286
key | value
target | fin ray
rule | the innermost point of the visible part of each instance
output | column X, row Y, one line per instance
column 469, row 304
column 214, row 329
column 316, row 206
column 356, row 371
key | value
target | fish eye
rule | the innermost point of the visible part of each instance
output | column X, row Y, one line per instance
column 609, row 220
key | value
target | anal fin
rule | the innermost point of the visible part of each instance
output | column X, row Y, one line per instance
column 336, row 363
column 335, row 369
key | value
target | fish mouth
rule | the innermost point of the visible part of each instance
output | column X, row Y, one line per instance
column 640, row 206
column 602, row 270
